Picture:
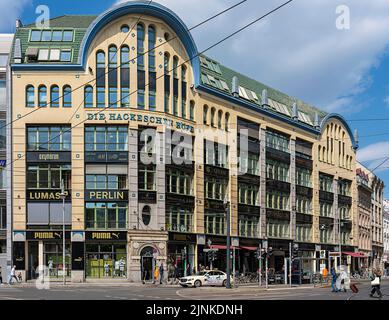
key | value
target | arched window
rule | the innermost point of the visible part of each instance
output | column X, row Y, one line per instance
column 175, row 67
column 88, row 97
column 191, row 110
column 141, row 46
column 100, row 59
column 183, row 73
column 151, row 41
column 166, row 65
column 30, row 96
column 146, row 215
column 125, row 76
column 205, row 114
column 42, row 96
column 67, row 97
column 226, row 122
column 125, row 28
column 219, row 119
column 54, row 96
column 213, row 111
column 112, row 57
column 319, row 153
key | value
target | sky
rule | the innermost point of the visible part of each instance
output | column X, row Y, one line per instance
column 308, row 49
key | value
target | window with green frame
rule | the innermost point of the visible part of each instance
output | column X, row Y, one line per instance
column 276, row 199
column 303, row 177
column 303, row 204
column 215, row 188
column 277, row 141
column 277, row 228
column 215, row 223
column 277, row 170
column 248, row 225
column 106, row 138
column 248, row 194
column 179, row 219
column 326, row 183
column 51, row 35
column 147, row 177
column 48, row 138
column 178, row 182
column 249, row 163
column 49, row 176
column 106, row 182
column 106, row 215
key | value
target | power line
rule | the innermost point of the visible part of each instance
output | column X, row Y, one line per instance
column 119, row 65
column 174, row 68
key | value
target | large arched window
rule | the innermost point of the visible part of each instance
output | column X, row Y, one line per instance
column 213, row 112
column 67, row 97
column 100, row 79
column 191, row 110
column 151, row 41
column 226, row 122
column 88, row 97
column 54, row 96
column 42, row 96
column 167, row 82
column 175, row 67
column 146, row 215
column 125, row 77
column 205, row 114
column 112, row 57
column 30, row 96
column 112, row 76
column 141, row 46
column 219, row 119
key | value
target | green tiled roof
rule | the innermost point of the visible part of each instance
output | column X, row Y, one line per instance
column 227, row 75
column 80, row 23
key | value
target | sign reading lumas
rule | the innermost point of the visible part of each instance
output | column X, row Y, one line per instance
column 45, row 195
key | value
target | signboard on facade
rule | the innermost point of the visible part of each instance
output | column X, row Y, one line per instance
column 173, row 236
column 106, row 235
column 106, row 195
column 46, row 235
column 47, row 195
column 140, row 118
column 49, row 156
column 3, row 163
column 102, row 156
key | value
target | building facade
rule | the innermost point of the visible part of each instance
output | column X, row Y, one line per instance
column 5, row 48
column 386, row 234
column 151, row 140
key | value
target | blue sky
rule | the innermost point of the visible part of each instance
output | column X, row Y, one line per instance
column 298, row 50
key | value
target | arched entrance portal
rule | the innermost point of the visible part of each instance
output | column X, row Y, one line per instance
column 147, row 263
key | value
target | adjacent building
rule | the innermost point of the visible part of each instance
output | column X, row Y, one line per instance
column 154, row 142
column 5, row 223
column 386, row 234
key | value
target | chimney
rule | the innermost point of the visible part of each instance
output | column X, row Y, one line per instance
column 295, row 114
column 19, row 23
column 317, row 121
column 235, row 86
column 17, row 51
column 265, row 100
column 356, row 138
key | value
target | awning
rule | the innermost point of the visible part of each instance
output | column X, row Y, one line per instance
column 355, row 254
column 220, row 246
column 249, row 248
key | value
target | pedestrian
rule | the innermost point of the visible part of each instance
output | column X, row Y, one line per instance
column 12, row 275
column 343, row 280
column 325, row 274
column 333, row 280
column 1, row 277
column 144, row 276
column 161, row 271
column 106, row 269
column 175, row 272
column 188, row 269
column 376, row 284
column 156, row 274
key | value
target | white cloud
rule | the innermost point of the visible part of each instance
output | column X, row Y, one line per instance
column 298, row 49
column 386, row 101
column 10, row 11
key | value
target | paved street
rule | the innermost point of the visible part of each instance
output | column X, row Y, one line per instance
column 150, row 292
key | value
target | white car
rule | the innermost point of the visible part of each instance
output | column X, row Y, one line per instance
column 205, row 278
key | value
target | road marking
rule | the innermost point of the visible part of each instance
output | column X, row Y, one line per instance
column 10, row 298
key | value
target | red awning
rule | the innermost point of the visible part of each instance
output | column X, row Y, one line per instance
column 220, row 246
column 355, row 254
column 249, row 248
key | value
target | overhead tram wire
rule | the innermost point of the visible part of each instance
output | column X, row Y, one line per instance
column 110, row 60
column 174, row 68
column 133, row 59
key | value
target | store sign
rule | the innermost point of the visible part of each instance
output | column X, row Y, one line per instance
column 3, row 163
column 106, row 195
column 49, row 156
column 139, row 118
column 46, row 235
column 182, row 199
column 47, row 195
column 105, row 235
column 103, row 156
column 217, row 172
column 182, row 237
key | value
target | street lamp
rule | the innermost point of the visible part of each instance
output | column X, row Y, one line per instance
column 63, row 196
column 228, row 271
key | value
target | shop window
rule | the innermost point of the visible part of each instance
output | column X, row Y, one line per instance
column 146, row 215
column 106, row 215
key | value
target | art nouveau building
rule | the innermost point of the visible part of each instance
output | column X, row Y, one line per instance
column 86, row 93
